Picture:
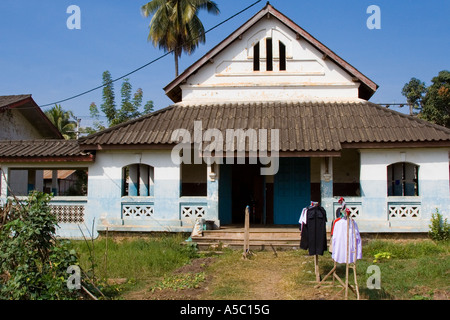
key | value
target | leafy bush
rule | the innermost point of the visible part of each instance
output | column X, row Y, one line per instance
column 382, row 256
column 439, row 228
column 32, row 261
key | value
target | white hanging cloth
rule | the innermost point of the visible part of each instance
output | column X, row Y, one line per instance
column 339, row 241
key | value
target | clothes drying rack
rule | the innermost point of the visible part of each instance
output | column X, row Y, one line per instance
column 345, row 285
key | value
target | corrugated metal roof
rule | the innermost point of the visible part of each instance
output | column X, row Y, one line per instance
column 9, row 100
column 26, row 149
column 61, row 174
column 303, row 126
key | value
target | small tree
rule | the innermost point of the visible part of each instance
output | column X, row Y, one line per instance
column 32, row 261
column 129, row 107
column 439, row 228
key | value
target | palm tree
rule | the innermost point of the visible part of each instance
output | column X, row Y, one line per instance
column 61, row 120
column 175, row 25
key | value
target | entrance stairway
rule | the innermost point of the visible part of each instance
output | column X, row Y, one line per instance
column 261, row 238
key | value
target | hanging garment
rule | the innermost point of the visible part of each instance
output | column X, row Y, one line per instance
column 303, row 232
column 314, row 234
column 340, row 212
column 339, row 241
column 302, row 219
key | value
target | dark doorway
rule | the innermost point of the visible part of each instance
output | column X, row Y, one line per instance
column 247, row 190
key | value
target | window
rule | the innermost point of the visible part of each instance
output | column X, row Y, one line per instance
column 60, row 182
column 282, row 53
column 256, row 57
column 193, row 180
column 346, row 174
column 269, row 54
column 137, row 180
column 403, row 179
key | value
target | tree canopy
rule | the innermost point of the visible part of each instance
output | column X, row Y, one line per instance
column 62, row 120
column 414, row 91
column 433, row 102
column 175, row 25
column 436, row 103
column 130, row 105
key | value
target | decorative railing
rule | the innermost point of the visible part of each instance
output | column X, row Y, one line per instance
column 193, row 210
column 68, row 210
column 355, row 208
column 404, row 210
column 140, row 210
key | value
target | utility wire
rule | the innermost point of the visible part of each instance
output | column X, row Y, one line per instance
column 149, row 63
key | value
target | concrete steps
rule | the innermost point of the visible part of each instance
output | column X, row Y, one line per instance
column 260, row 238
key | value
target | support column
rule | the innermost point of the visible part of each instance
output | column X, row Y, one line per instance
column 31, row 180
column 213, row 193
column 134, row 182
column 326, row 186
column 55, row 188
column 144, row 190
column 326, row 178
column 3, row 184
column 39, row 182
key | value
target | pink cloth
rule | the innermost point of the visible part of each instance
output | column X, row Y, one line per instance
column 339, row 242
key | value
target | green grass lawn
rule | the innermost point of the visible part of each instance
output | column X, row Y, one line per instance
column 415, row 270
column 135, row 261
column 409, row 269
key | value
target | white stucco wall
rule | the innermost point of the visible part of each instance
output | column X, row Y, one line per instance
column 434, row 191
column 230, row 75
column 105, row 195
column 14, row 126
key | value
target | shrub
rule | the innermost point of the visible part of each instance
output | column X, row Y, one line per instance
column 32, row 261
column 439, row 228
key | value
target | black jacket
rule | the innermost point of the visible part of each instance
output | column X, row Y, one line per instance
column 314, row 234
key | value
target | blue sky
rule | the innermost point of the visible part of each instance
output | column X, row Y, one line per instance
column 41, row 56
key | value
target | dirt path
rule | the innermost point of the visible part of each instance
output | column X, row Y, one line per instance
column 288, row 275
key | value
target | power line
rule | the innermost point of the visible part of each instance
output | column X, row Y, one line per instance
column 149, row 63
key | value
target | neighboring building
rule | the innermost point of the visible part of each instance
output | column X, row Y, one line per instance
column 22, row 119
column 49, row 166
column 268, row 79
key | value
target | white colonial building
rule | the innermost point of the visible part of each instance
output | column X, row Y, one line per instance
column 268, row 79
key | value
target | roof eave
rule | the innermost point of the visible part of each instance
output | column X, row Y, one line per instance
column 44, row 159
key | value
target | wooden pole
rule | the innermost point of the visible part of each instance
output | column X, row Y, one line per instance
column 246, row 232
column 347, row 258
column 316, row 267
column 354, row 261
column 329, row 273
